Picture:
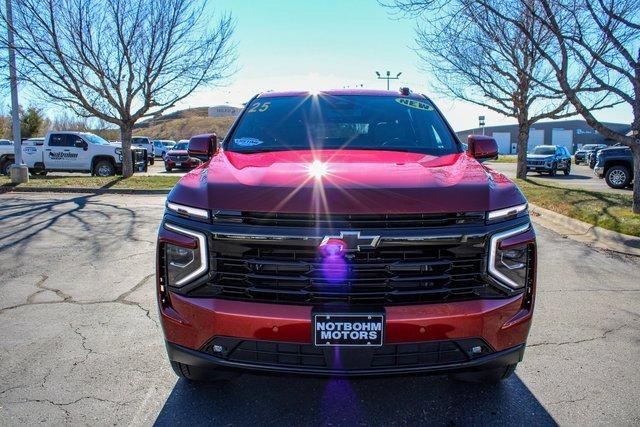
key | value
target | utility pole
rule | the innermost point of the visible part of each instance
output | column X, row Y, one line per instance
column 19, row 171
column 388, row 77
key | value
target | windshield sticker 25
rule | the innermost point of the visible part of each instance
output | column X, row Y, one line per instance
column 247, row 142
column 259, row 107
column 413, row 103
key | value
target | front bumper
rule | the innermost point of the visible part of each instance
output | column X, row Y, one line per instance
column 598, row 171
column 545, row 167
column 191, row 324
column 188, row 164
column 204, row 360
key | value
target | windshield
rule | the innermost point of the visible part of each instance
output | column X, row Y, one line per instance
column 342, row 122
column 95, row 139
column 181, row 146
column 590, row 147
column 549, row 151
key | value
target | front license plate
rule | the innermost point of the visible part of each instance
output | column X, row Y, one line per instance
column 348, row 330
column 178, row 165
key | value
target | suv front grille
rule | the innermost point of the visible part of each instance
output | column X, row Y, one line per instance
column 357, row 221
column 388, row 356
column 292, row 271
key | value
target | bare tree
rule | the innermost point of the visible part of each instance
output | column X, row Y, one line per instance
column 120, row 60
column 598, row 38
column 475, row 56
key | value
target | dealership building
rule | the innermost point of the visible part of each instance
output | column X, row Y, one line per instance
column 571, row 134
column 224, row 111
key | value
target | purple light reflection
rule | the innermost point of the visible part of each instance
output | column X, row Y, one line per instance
column 334, row 269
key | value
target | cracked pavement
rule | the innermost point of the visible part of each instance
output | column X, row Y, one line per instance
column 81, row 344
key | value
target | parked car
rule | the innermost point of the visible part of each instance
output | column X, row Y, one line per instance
column 6, row 156
column 615, row 165
column 147, row 144
column 161, row 146
column 178, row 158
column 345, row 233
column 581, row 155
column 79, row 152
column 550, row 159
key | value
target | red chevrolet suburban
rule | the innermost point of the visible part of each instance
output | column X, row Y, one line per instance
column 345, row 233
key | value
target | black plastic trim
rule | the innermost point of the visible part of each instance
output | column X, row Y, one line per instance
column 200, row 359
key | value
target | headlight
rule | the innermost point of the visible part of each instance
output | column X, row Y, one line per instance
column 118, row 151
column 184, row 264
column 510, row 264
column 512, row 211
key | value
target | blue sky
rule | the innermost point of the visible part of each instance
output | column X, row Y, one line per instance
column 324, row 44
column 313, row 44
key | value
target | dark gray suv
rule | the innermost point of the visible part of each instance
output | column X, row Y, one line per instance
column 550, row 159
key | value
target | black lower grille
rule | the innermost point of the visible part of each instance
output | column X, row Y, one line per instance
column 269, row 353
column 393, row 273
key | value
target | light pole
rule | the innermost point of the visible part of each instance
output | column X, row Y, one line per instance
column 388, row 77
column 19, row 171
column 481, row 123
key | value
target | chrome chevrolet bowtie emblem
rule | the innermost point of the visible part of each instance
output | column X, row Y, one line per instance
column 353, row 241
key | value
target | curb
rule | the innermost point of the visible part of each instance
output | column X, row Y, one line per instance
column 132, row 191
column 584, row 232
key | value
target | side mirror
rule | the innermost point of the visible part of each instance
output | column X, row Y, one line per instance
column 482, row 147
column 203, row 147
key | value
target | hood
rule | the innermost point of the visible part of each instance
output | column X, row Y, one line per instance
column 177, row 152
column 539, row 156
column 119, row 145
column 356, row 181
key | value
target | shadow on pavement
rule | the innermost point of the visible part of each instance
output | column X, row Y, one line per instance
column 264, row 400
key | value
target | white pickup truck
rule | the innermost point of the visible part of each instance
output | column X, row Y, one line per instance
column 79, row 152
column 6, row 156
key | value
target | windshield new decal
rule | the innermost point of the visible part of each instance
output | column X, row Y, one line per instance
column 413, row 103
column 247, row 142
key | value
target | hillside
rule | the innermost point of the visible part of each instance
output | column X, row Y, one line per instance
column 183, row 124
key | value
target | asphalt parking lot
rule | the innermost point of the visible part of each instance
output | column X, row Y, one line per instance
column 580, row 177
column 80, row 342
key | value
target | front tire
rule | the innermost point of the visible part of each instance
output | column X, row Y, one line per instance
column 4, row 167
column 489, row 376
column 567, row 170
column 618, row 177
column 152, row 161
column 553, row 170
column 168, row 169
column 104, row 168
column 195, row 374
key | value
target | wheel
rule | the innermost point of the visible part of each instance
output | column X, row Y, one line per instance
column 152, row 161
column 193, row 373
column 104, row 168
column 618, row 176
column 577, row 161
column 554, row 169
column 168, row 169
column 4, row 167
column 567, row 170
column 489, row 376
